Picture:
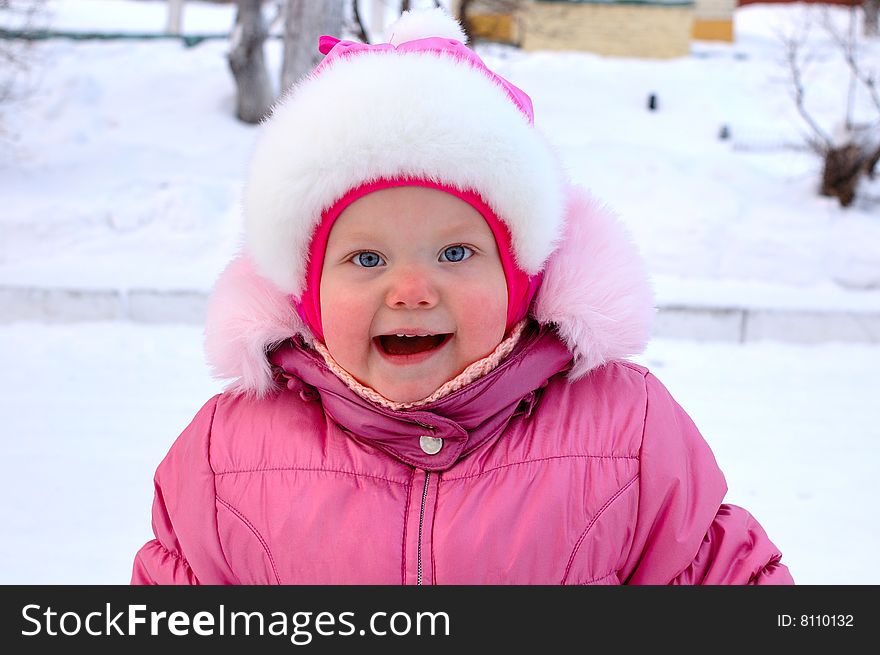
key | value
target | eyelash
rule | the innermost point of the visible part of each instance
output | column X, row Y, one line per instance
column 355, row 256
column 468, row 254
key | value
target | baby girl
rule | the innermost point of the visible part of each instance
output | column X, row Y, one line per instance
column 426, row 337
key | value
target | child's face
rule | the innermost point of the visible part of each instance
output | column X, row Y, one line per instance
column 413, row 261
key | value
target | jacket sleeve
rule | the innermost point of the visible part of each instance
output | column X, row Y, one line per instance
column 684, row 534
column 186, row 548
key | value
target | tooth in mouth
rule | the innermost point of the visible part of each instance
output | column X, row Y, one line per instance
column 410, row 344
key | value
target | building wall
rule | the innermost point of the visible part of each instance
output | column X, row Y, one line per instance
column 713, row 30
column 494, row 27
column 714, row 9
column 626, row 29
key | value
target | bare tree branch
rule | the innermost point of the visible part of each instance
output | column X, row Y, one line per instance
column 855, row 154
column 849, row 48
column 793, row 47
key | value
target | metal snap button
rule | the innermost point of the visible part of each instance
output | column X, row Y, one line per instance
column 430, row 445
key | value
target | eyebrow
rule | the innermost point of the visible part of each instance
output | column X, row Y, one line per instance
column 462, row 226
column 466, row 227
column 359, row 236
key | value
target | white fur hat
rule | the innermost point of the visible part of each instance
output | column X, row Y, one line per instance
column 421, row 106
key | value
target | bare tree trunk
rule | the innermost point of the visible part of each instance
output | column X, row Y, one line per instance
column 306, row 21
column 872, row 13
column 841, row 171
column 358, row 23
column 175, row 16
column 255, row 93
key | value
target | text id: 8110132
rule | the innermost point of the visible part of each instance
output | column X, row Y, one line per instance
column 815, row 620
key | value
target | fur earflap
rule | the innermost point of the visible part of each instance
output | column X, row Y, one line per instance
column 595, row 289
column 424, row 23
column 247, row 316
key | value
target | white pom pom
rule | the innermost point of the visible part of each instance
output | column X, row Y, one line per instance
column 422, row 24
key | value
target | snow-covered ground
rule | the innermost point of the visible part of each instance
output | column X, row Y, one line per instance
column 89, row 410
column 123, row 167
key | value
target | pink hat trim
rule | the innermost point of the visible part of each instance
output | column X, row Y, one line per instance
column 521, row 288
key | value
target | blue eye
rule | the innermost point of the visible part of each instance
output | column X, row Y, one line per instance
column 367, row 259
column 456, row 253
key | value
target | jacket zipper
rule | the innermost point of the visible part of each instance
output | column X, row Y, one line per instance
column 421, row 524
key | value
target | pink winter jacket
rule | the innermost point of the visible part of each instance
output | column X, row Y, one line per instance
column 563, row 465
column 538, row 481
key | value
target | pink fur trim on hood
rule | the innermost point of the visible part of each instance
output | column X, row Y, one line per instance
column 595, row 288
column 247, row 317
column 595, row 292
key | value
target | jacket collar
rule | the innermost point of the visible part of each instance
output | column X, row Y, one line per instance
column 459, row 422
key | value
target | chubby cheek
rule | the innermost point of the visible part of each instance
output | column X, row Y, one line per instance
column 481, row 316
column 346, row 323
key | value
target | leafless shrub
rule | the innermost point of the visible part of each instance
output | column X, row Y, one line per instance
column 850, row 153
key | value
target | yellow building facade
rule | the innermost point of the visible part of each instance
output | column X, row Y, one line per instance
column 713, row 20
column 626, row 28
column 631, row 28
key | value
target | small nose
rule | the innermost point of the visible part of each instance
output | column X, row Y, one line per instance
column 411, row 287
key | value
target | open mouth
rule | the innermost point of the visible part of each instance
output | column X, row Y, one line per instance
column 399, row 345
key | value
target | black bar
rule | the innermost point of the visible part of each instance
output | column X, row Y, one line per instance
column 342, row 618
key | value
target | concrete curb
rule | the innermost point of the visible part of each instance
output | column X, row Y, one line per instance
column 736, row 324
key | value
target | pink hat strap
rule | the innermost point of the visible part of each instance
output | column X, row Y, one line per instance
column 521, row 288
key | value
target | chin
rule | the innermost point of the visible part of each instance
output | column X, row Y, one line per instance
column 406, row 394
